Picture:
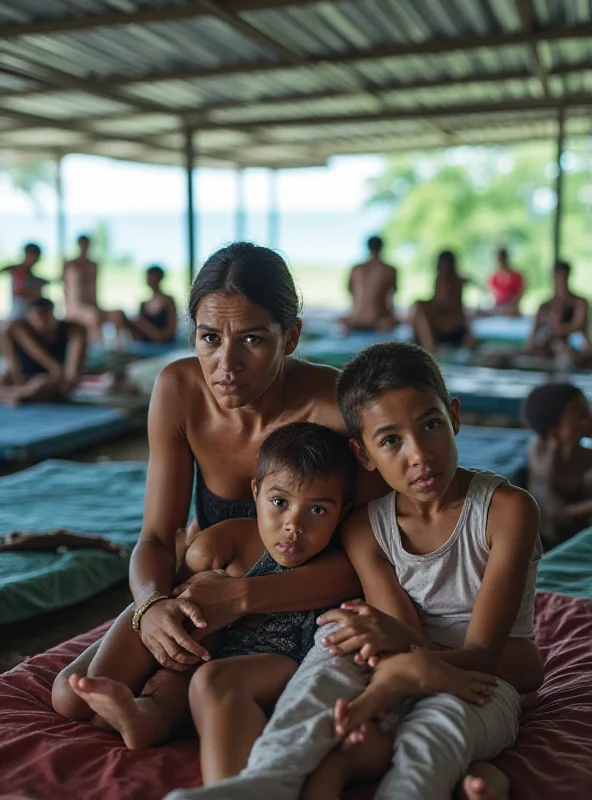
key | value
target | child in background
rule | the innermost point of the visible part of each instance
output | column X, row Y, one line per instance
column 559, row 468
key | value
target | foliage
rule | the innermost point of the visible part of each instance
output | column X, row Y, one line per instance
column 474, row 200
column 30, row 177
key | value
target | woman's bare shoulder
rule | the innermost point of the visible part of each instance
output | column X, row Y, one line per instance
column 179, row 385
column 315, row 386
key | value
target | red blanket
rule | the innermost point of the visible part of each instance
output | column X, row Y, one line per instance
column 45, row 758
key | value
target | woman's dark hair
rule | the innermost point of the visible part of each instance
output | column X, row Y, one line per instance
column 543, row 408
column 256, row 274
column 309, row 452
column 381, row 368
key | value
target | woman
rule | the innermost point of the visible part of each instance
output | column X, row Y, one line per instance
column 210, row 415
column 157, row 320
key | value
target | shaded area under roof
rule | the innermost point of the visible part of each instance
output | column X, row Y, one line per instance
column 287, row 83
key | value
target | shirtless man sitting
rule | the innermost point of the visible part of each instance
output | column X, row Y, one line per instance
column 442, row 320
column 80, row 288
column 372, row 286
column 565, row 313
column 26, row 286
column 44, row 356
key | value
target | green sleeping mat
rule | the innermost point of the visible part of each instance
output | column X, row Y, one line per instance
column 567, row 569
column 103, row 499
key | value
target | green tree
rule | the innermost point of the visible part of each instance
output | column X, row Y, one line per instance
column 30, row 177
column 474, row 200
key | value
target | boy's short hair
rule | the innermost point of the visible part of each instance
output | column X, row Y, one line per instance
column 309, row 452
column 381, row 368
column 375, row 244
column 543, row 408
column 31, row 248
column 562, row 266
column 83, row 238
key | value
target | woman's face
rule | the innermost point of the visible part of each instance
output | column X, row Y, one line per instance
column 241, row 348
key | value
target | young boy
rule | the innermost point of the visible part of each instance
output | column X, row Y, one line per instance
column 559, row 468
column 304, row 483
column 44, row 356
column 447, row 561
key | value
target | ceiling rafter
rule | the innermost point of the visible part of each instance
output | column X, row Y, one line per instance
column 191, row 9
column 524, row 11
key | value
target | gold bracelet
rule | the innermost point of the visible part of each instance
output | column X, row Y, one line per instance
column 139, row 612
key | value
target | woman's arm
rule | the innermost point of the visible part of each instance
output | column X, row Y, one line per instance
column 168, row 488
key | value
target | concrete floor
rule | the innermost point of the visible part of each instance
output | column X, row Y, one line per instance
column 21, row 640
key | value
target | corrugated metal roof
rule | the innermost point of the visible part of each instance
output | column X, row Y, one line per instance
column 287, row 82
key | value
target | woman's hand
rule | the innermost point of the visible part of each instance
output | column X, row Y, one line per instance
column 366, row 631
column 219, row 597
column 163, row 632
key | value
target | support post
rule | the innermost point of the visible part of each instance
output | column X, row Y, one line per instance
column 190, row 209
column 61, row 210
column 273, row 223
column 559, row 186
column 240, row 218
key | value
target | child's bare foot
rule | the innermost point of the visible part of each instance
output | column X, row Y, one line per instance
column 484, row 782
column 115, row 704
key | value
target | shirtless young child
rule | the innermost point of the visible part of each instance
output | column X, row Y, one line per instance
column 463, row 546
column 372, row 286
column 80, row 289
column 26, row 286
column 303, row 487
column 559, row 468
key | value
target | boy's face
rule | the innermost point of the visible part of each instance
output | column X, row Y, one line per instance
column 409, row 436
column 42, row 319
column 576, row 421
column 296, row 521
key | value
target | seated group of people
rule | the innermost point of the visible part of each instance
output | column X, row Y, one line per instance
column 45, row 355
column 443, row 320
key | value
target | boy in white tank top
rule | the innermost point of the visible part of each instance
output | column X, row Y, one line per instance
column 447, row 562
column 464, row 547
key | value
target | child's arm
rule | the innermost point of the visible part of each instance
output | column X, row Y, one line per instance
column 512, row 531
column 387, row 621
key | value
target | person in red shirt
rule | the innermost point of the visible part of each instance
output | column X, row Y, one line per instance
column 507, row 286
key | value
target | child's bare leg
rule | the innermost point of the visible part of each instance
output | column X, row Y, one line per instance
column 484, row 782
column 365, row 761
column 39, row 388
column 143, row 721
column 230, row 700
column 120, row 655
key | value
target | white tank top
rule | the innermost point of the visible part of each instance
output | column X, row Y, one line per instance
column 443, row 585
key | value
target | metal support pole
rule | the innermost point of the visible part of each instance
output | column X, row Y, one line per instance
column 240, row 218
column 559, row 185
column 190, row 210
column 273, row 223
column 61, row 210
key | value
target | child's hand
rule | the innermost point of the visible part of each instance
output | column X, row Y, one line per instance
column 364, row 630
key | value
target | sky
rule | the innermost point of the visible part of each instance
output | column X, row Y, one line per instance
column 95, row 185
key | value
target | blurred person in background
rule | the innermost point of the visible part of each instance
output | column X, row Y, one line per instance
column 507, row 287
column 44, row 356
column 26, row 286
column 80, row 289
column 157, row 320
column 372, row 285
column 442, row 321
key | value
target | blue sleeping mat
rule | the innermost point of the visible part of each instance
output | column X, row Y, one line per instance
column 500, row 450
column 45, row 430
column 100, row 499
column 567, row 569
column 493, row 391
